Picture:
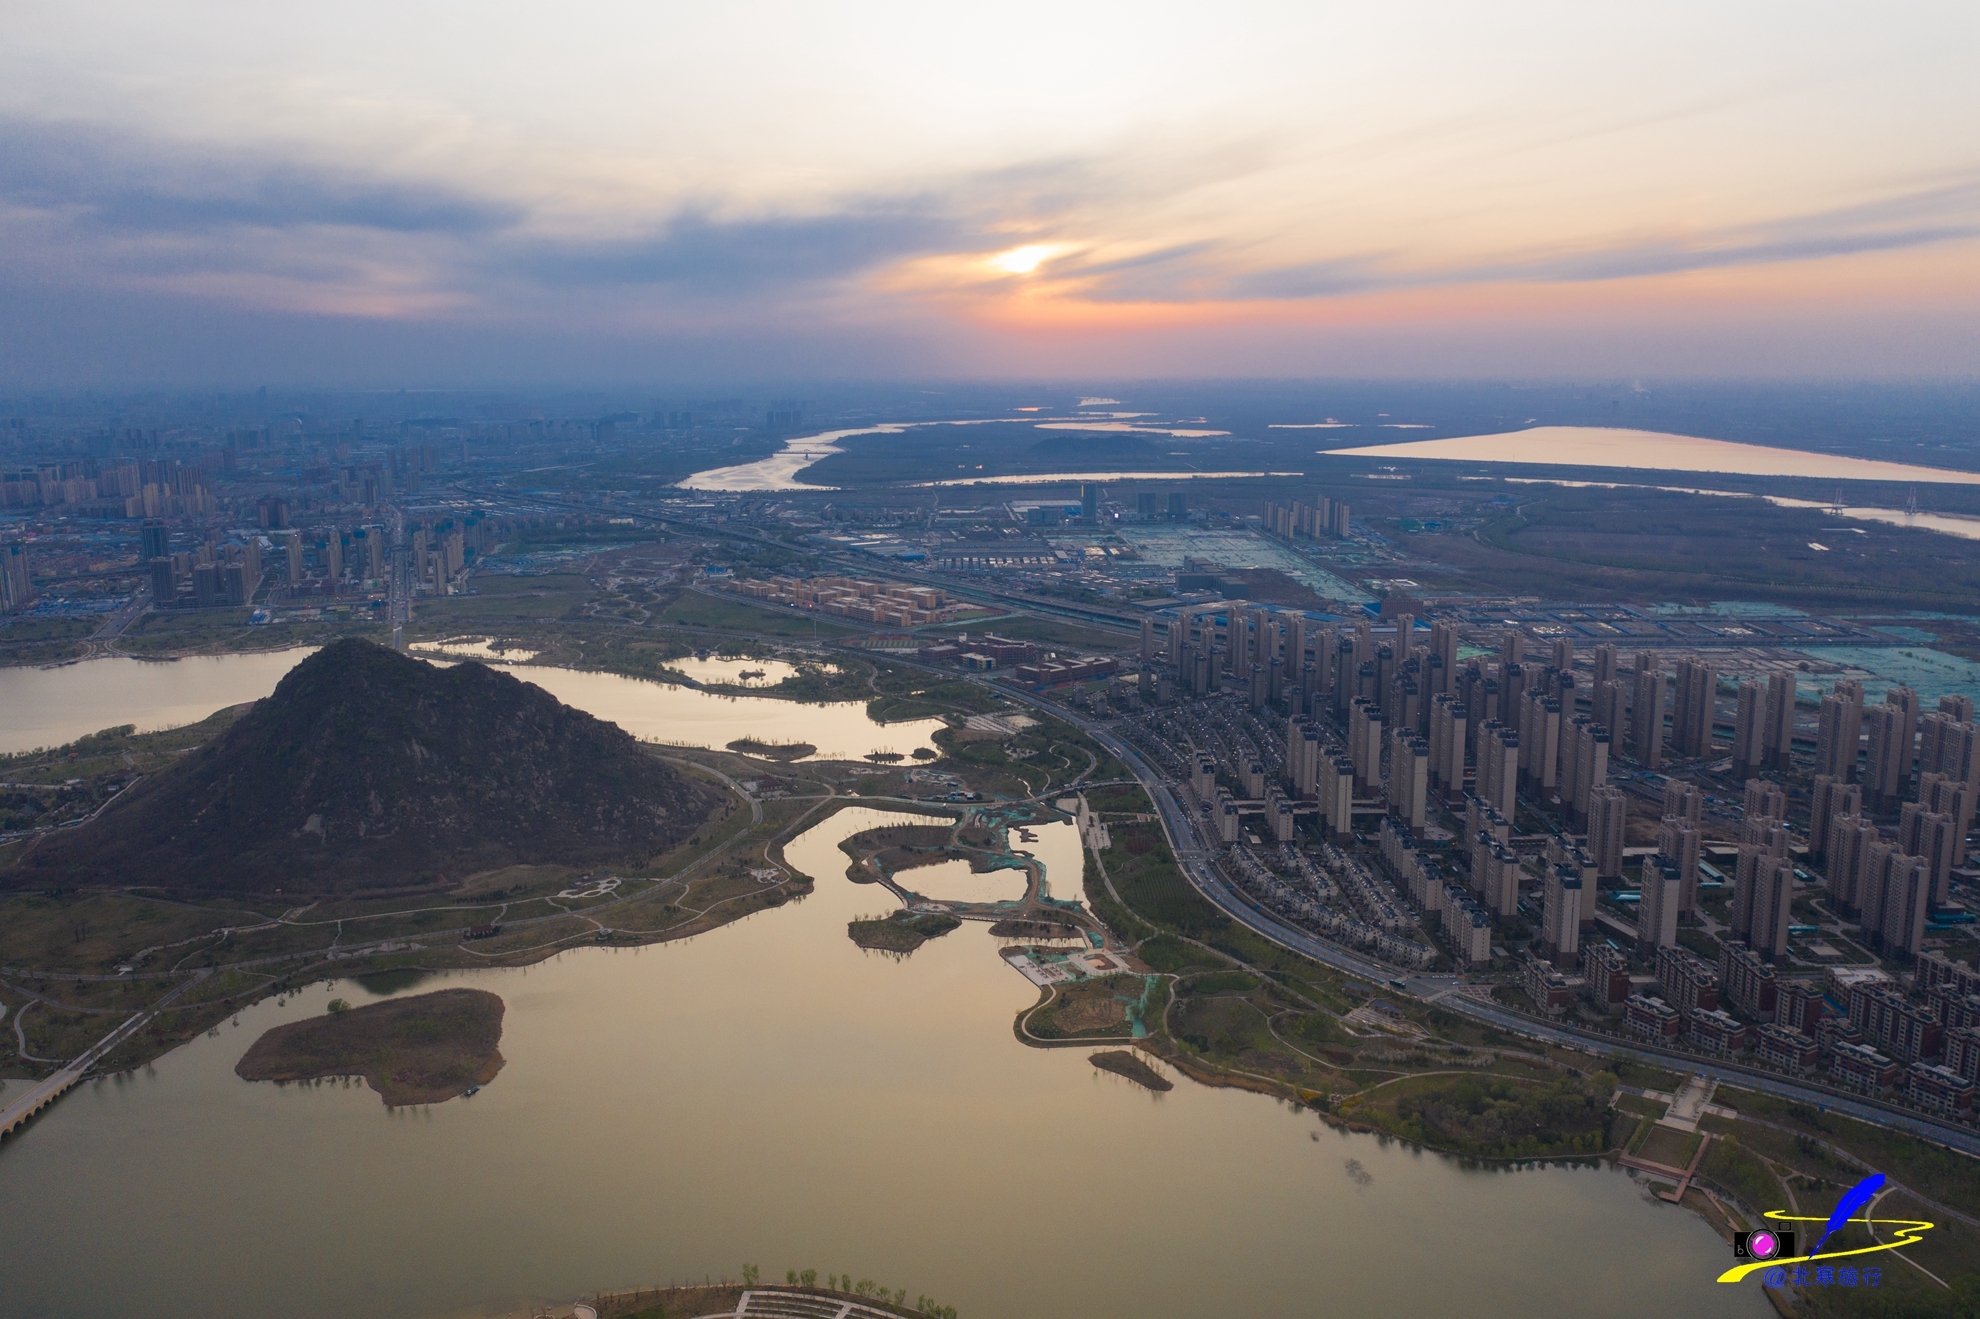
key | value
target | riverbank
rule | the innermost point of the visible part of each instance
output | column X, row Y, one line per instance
column 1247, row 1014
column 809, row 1102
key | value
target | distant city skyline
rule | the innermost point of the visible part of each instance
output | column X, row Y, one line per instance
column 414, row 194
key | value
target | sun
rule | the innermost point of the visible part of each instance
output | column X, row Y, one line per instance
column 1023, row 260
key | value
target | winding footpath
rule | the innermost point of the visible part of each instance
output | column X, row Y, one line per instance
column 44, row 1093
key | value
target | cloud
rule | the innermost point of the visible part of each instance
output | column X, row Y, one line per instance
column 84, row 205
column 1872, row 226
column 125, row 185
column 698, row 252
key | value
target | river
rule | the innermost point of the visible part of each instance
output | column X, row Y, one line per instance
column 768, row 1093
column 781, row 470
column 51, row 706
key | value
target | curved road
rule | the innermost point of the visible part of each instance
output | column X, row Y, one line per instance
column 1208, row 880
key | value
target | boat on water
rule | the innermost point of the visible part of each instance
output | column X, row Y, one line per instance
column 471, row 1092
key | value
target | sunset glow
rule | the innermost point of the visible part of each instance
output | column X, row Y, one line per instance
column 1274, row 180
column 1022, row 260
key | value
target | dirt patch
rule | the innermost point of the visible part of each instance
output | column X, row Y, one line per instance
column 1086, row 1007
column 1668, row 1146
column 1272, row 587
column 902, row 932
column 418, row 1050
column 1123, row 1063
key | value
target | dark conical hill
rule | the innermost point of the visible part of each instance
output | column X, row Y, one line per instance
column 367, row 769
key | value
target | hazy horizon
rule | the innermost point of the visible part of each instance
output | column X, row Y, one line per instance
column 386, row 195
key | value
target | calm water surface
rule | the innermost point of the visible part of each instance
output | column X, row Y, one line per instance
column 1600, row 446
column 769, row 1093
column 47, row 707
column 782, row 470
column 1962, row 525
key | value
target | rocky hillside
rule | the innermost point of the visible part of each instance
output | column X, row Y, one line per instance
column 369, row 770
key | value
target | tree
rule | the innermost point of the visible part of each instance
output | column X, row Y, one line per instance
column 339, row 1005
column 809, row 1277
column 750, row 1274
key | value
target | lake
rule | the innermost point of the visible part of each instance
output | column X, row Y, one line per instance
column 48, row 707
column 768, row 1093
column 1598, row 446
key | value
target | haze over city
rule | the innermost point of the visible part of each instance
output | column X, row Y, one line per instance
column 876, row 661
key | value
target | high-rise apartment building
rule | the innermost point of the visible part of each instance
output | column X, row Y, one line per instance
column 154, row 540
column 1409, row 776
column 1765, row 799
column 1657, row 910
column 1949, row 749
column 1887, row 772
column 1678, row 843
column 1609, row 703
column 1539, row 742
column 1748, row 710
column 1827, row 799
column 1762, row 904
column 16, row 581
column 1447, row 740
column 1608, row 817
column 1498, row 767
column 1839, row 732
column 1591, row 765
column 1560, row 914
column 1697, row 695
column 164, row 583
column 1684, row 800
column 1646, row 713
column 1936, row 838
column 1777, row 723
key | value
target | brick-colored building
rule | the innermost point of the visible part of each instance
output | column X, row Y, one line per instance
column 1605, row 972
column 1861, row 1068
column 1786, row 1049
column 1905, row 1030
column 1749, row 982
column 1938, row 1089
column 1652, row 1019
column 1687, row 980
column 1716, row 1031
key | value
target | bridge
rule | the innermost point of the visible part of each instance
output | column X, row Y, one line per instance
column 17, row 1114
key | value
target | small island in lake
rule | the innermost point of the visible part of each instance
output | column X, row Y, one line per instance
column 902, row 932
column 422, row 1049
column 1122, row 1062
column 785, row 752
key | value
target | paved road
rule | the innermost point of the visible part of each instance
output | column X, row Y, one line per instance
column 44, row 1093
column 1747, row 1078
column 1209, row 880
column 103, row 640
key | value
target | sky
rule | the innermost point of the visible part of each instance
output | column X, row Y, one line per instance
column 450, row 193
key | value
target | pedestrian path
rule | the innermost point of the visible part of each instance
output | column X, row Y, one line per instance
column 777, row 1303
column 44, row 1093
